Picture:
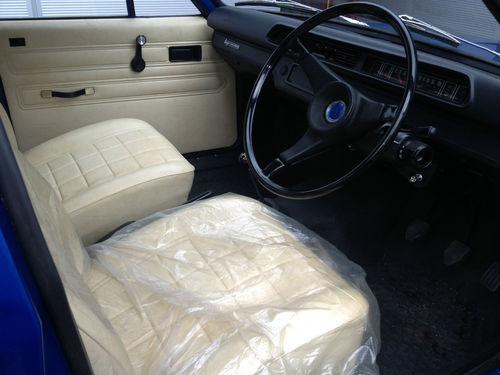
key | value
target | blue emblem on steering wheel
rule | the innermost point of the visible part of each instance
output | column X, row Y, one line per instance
column 335, row 111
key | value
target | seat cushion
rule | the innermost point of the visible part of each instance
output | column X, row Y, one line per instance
column 229, row 286
column 112, row 172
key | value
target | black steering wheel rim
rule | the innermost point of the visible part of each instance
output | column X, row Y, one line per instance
column 387, row 138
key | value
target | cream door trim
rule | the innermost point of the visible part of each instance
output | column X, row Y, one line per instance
column 190, row 103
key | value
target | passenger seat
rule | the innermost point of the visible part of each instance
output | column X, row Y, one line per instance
column 110, row 173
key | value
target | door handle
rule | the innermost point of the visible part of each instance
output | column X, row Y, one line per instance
column 47, row 94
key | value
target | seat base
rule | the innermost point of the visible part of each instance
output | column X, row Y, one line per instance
column 227, row 285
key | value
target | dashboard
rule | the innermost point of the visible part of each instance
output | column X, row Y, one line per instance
column 446, row 85
column 456, row 95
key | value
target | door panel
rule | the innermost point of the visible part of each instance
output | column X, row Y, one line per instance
column 191, row 103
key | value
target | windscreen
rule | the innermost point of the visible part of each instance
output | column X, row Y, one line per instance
column 469, row 19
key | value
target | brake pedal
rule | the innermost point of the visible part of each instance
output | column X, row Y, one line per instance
column 455, row 252
column 491, row 277
column 417, row 229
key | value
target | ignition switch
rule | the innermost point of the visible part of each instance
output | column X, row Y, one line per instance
column 138, row 64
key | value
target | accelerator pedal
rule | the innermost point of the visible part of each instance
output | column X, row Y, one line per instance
column 491, row 277
column 455, row 252
column 417, row 229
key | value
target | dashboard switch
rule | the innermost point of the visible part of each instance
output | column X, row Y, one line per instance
column 448, row 91
column 460, row 95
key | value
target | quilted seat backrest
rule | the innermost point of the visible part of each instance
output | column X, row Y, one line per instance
column 102, row 344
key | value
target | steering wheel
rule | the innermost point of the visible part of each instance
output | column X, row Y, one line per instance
column 337, row 112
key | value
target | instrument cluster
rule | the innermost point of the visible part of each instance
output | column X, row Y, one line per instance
column 447, row 88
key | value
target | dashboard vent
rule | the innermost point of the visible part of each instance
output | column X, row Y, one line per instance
column 345, row 57
column 335, row 53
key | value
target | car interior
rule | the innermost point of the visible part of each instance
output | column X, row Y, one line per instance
column 257, row 191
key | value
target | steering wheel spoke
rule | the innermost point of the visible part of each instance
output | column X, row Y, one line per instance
column 316, row 71
column 308, row 146
column 273, row 167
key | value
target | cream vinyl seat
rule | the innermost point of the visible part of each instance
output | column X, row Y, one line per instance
column 110, row 173
column 222, row 286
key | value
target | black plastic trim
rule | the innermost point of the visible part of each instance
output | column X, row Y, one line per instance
column 130, row 8
column 18, row 205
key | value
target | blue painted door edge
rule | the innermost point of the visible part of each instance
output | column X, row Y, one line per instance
column 28, row 344
column 209, row 5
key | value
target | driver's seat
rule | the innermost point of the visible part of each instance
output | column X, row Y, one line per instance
column 221, row 286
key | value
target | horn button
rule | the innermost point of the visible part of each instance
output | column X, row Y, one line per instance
column 335, row 111
column 331, row 110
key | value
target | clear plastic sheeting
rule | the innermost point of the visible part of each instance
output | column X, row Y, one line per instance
column 222, row 286
column 230, row 286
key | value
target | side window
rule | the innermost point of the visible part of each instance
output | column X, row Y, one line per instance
column 164, row 8
column 62, row 8
column 14, row 9
column 93, row 8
